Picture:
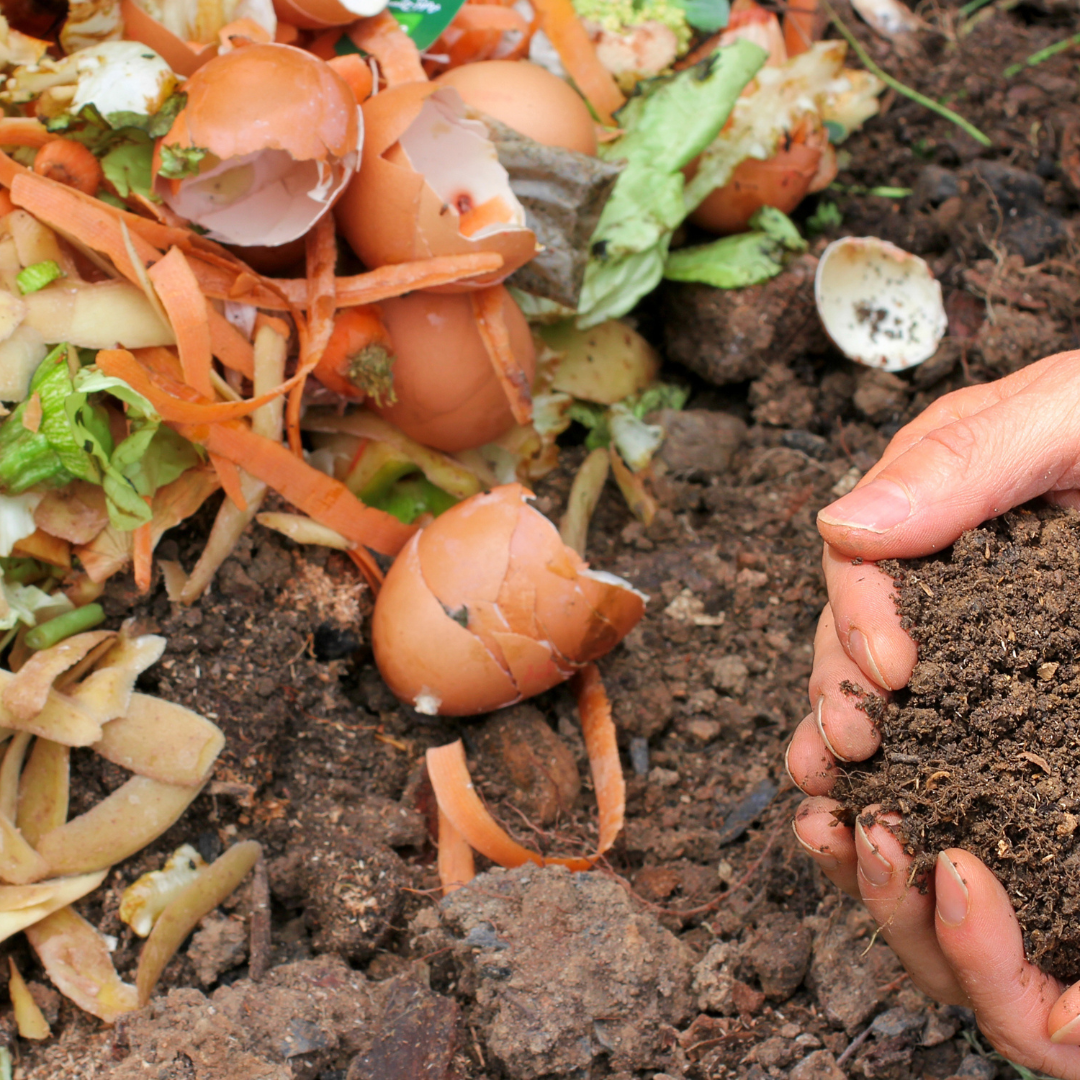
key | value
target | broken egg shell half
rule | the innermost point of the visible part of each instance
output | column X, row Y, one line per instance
column 487, row 606
column 183, row 55
column 283, row 131
column 448, row 395
column 881, row 305
column 323, row 14
column 430, row 184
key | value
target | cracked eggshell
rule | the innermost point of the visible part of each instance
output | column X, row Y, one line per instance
column 430, row 184
column 881, row 305
column 487, row 606
column 323, row 14
column 448, row 395
column 283, row 132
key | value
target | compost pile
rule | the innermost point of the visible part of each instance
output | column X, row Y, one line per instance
column 979, row 752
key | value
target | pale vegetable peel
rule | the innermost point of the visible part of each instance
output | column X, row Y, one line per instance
column 29, row 1018
column 210, row 886
column 148, row 896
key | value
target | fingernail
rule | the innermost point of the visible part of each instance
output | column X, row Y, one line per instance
column 874, row 866
column 952, row 893
column 822, row 858
column 862, row 655
column 878, row 507
column 821, row 730
column 1069, row 1033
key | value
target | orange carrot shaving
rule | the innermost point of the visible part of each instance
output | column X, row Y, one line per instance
column 571, row 40
column 229, row 475
column 477, row 33
column 488, row 309
column 368, row 567
column 598, row 730
column 456, row 865
column 184, row 303
column 461, row 805
column 10, row 168
column 356, row 331
column 368, row 288
column 142, row 555
column 381, row 36
column 69, row 163
column 356, row 73
column 24, row 131
column 319, row 496
column 6, row 205
column 229, row 345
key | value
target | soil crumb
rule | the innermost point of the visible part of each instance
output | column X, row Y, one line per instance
column 980, row 751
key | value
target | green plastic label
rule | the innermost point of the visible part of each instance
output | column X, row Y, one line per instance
column 424, row 20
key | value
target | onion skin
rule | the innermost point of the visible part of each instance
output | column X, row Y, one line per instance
column 448, row 395
column 487, row 606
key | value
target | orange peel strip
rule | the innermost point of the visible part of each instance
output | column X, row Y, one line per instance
column 368, row 567
column 488, row 310
column 598, row 730
column 571, row 40
column 229, row 475
column 383, row 283
column 456, row 864
column 381, row 36
column 319, row 496
column 180, row 295
column 24, row 131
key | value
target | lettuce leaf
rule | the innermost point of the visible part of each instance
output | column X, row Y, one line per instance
column 668, row 123
column 737, row 261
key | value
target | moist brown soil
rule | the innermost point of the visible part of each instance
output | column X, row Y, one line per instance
column 980, row 751
column 708, row 946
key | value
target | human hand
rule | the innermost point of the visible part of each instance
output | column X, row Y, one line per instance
column 972, row 455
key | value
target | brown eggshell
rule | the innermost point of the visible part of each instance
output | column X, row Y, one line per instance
column 315, row 14
column 390, row 214
column 177, row 53
column 532, row 666
column 782, row 181
column 527, row 98
column 421, row 651
column 268, row 97
column 618, row 608
column 465, row 556
column 449, row 397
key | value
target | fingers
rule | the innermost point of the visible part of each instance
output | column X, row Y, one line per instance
column 847, row 732
column 1064, row 1020
column 973, row 467
column 904, row 914
column 808, row 761
column 830, row 844
column 1013, row 1000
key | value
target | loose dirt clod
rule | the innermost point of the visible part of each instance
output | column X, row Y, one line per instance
column 980, row 751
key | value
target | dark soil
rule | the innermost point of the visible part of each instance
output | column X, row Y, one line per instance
column 708, row 947
column 980, row 751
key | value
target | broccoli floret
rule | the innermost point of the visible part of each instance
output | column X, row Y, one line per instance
column 618, row 16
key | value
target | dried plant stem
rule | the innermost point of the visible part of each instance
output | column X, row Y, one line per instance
column 900, row 87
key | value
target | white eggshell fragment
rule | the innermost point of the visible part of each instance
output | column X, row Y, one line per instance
column 880, row 304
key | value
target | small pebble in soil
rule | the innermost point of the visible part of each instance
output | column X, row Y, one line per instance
column 979, row 751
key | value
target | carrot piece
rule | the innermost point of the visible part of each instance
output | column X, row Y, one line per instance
column 142, row 555
column 228, row 344
column 319, row 496
column 355, row 330
column 368, row 567
column 10, row 168
column 456, row 865
column 6, row 205
column 571, row 40
column 488, row 309
column 24, row 131
column 69, row 163
column 229, row 475
column 383, row 283
column 381, row 36
column 598, row 730
column 184, row 303
column 356, row 73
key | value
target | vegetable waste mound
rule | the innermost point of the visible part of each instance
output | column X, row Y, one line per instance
column 980, row 751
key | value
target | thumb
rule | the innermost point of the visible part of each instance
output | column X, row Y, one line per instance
column 972, row 468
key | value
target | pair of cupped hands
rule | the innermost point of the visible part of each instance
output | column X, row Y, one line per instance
column 970, row 456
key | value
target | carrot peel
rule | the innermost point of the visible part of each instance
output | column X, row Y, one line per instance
column 488, row 309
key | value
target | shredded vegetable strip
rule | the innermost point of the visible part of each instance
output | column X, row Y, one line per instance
column 488, row 308
column 571, row 40
column 142, row 556
column 229, row 475
column 456, row 865
column 24, row 131
column 185, row 305
column 85, row 220
column 321, row 258
column 460, row 803
column 383, row 283
column 229, row 345
column 10, row 168
column 598, row 730
column 381, row 36
column 319, row 496
column 368, row 567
